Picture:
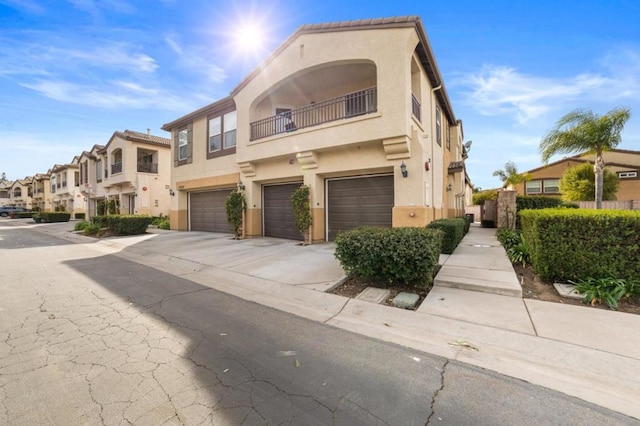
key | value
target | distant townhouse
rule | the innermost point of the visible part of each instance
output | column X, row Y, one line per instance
column 132, row 170
column 5, row 193
column 357, row 110
column 20, row 193
column 64, row 181
column 41, row 190
column 545, row 180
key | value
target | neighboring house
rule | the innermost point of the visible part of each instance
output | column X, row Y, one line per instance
column 545, row 180
column 133, row 169
column 41, row 190
column 20, row 193
column 357, row 110
column 5, row 193
column 64, row 181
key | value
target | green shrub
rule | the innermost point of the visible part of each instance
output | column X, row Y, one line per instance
column 608, row 290
column 514, row 245
column 24, row 215
column 391, row 255
column 453, row 229
column 234, row 206
column 164, row 224
column 55, row 216
column 92, row 229
column 481, row 197
column 574, row 244
column 128, row 224
column 467, row 223
column 80, row 216
column 536, row 202
column 81, row 225
column 568, row 205
column 99, row 220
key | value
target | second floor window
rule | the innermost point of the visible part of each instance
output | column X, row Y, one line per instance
column 183, row 141
column 438, row 126
column 222, row 132
column 99, row 171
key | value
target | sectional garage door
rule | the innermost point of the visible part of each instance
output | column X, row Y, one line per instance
column 357, row 202
column 278, row 216
column 207, row 211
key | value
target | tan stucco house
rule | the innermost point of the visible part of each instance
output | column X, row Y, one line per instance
column 356, row 110
column 133, row 169
column 545, row 180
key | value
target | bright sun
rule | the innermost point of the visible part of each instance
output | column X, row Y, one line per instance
column 249, row 38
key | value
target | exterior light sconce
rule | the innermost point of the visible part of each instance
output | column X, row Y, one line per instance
column 449, row 187
column 403, row 170
column 172, row 192
column 241, row 186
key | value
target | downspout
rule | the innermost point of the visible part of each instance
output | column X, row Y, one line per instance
column 431, row 101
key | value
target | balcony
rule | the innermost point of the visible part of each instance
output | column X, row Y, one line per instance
column 144, row 167
column 342, row 107
column 116, row 168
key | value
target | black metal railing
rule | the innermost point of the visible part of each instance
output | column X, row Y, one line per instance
column 416, row 109
column 116, row 168
column 351, row 105
column 148, row 167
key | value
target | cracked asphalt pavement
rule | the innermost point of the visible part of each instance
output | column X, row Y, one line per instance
column 88, row 338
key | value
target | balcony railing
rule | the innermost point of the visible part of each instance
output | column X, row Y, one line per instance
column 415, row 107
column 351, row 105
column 116, row 168
column 148, row 167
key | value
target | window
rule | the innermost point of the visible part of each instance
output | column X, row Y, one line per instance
column 438, row 126
column 222, row 135
column 534, row 187
column 183, row 141
column 448, row 137
column 99, row 170
column 551, row 186
column 627, row 175
column 182, row 145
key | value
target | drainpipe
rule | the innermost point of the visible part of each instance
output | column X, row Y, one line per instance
column 431, row 101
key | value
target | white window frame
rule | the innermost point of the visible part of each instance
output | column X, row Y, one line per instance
column 539, row 187
column 182, row 144
column 556, row 186
column 627, row 175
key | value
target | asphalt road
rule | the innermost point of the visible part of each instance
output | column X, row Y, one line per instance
column 90, row 339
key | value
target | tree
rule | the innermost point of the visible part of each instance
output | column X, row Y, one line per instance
column 578, row 184
column 235, row 205
column 3, row 178
column 510, row 175
column 302, row 210
column 584, row 131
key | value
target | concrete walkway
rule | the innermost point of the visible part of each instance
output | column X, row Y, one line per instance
column 474, row 313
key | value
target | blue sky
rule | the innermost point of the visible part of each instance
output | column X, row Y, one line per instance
column 73, row 72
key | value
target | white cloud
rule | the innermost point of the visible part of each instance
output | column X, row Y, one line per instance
column 28, row 6
column 503, row 90
column 196, row 60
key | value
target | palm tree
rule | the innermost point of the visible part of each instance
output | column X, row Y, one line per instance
column 510, row 175
column 582, row 130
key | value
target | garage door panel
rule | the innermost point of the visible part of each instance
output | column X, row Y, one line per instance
column 359, row 202
column 207, row 211
column 279, row 221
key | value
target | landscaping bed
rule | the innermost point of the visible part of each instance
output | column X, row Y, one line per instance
column 534, row 288
column 354, row 286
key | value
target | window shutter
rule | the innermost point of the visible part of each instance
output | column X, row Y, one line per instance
column 176, row 148
column 190, row 143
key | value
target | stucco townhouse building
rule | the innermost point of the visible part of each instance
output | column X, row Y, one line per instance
column 356, row 110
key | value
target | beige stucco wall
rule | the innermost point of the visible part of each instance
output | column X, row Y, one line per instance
column 370, row 144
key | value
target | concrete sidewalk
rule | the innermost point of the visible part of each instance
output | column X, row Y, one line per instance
column 588, row 353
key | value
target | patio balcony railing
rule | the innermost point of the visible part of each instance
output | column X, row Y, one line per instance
column 347, row 106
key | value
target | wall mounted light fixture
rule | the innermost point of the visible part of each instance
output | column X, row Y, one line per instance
column 171, row 192
column 449, row 187
column 241, row 186
column 403, row 170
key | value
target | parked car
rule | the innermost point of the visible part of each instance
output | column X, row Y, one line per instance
column 7, row 210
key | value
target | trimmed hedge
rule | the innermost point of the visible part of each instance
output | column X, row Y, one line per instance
column 79, row 216
column 123, row 224
column 55, row 217
column 569, row 244
column 24, row 215
column 391, row 255
column 454, row 231
column 536, row 202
